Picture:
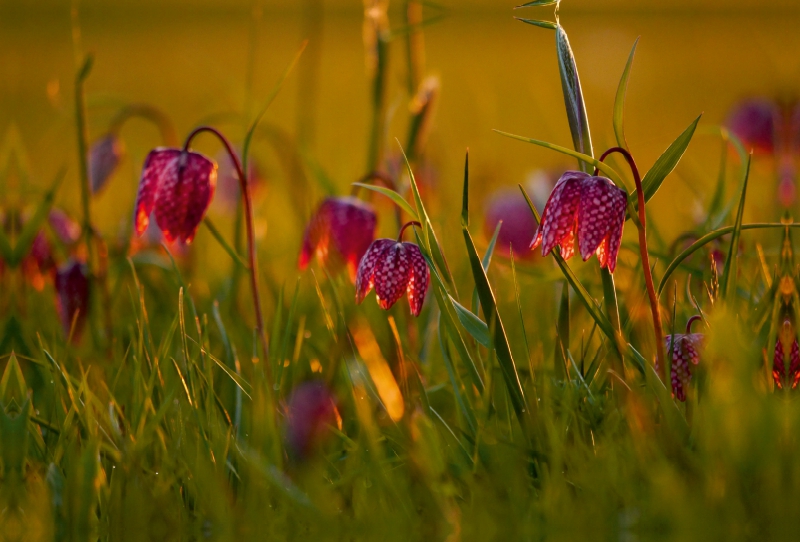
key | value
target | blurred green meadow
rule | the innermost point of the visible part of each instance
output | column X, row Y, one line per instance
column 166, row 420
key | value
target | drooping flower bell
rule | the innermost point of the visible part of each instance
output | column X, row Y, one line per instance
column 589, row 207
column 783, row 376
column 72, row 296
column 509, row 206
column 104, row 157
column 338, row 234
column 177, row 186
column 393, row 268
column 755, row 122
column 685, row 353
column 310, row 409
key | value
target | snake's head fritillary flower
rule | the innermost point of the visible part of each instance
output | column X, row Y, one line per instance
column 783, row 376
column 587, row 207
column 66, row 228
column 338, row 234
column 754, row 122
column 518, row 226
column 104, row 158
column 72, row 295
column 310, row 409
column 177, row 186
column 685, row 353
column 393, row 268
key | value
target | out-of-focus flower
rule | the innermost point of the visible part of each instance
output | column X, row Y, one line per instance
column 104, row 157
column 310, row 409
column 754, row 122
column 393, row 268
column 177, row 186
column 228, row 194
column 509, row 205
column 67, row 229
column 339, row 233
column 684, row 350
column 593, row 208
column 72, row 296
column 786, row 378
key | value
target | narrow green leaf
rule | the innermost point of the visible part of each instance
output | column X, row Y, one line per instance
column 602, row 166
column 619, row 100
column 217, row 235
column 541, row 24
column 562, row 343
column 707, row 238
column 465, row 194
column 729, row 271
column 573, row 98
column 392, row 195
column 464, row 405
column 537, row 3
column 666, row 163
column 473, row 324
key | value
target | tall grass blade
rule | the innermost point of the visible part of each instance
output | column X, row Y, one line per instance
column 619, row 100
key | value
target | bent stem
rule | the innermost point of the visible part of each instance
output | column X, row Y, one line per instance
column 251, row 241
column 149, row 113
column 648, row 275
column 406, row 226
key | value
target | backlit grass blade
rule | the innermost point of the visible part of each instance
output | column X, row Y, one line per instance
column 573, row 98
column 392, row 195
column 473, row 324
column 619, row 100
column 728, row 283
column 539, row 23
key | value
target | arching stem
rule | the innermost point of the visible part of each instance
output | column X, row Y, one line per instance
column 405, row 226
column 648, row 275
column 149, row 113
column 252, row 262
column 691, row 321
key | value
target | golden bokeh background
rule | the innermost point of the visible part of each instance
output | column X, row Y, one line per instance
column 190, row 59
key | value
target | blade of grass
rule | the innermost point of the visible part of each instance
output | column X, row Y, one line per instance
column 619, row 100
column 729, row 271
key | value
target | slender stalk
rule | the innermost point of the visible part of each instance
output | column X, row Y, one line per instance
column 149, row 113
column 648, row 275
column 386, row 181
column 691, row 321
column 252, row 261
column 405, row 226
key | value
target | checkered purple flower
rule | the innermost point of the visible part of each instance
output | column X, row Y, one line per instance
column 393, row 268
column 591, row 208
column 177, row 186
column 685, row 353
column 72, row 296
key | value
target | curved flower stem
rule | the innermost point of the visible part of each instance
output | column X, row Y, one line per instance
column 691, row 321
column 405, row 226
column 251, row 241
column 149, row 113
column 648, row 275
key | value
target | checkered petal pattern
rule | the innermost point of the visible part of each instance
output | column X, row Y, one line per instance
column 777, row 365
column 591, row 209
column 794, row 364
column 393, row 269
column 177, row 187
column 684, row 354
column 339, row 233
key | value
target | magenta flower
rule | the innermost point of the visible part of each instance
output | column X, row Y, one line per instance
column 104, row 158
column 519, row 226
column 72, row 296
column 310, row 409
column 786, row 378
column 755, row 122
column 339, row 233
column 593, row 208
column 393, row 268
column 177, row 186
column 684, row 355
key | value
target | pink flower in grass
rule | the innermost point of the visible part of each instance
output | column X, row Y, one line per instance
column 684, row 351
column 72, row 296
column 104, row 158
column 177, row 186
column 786, row 377
column 339, row 233
column 754, row 122
column 310, row 409
column 591, row 208
column 393, row 268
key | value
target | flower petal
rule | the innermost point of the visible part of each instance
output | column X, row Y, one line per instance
column 794, row 364
column 184, row 194
column 158, row 164
column 391, row 275
column 419, row 278
column 104, row 157
column 558, row 218
column 366, row 267
column 601, row 205
column 352, row 229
